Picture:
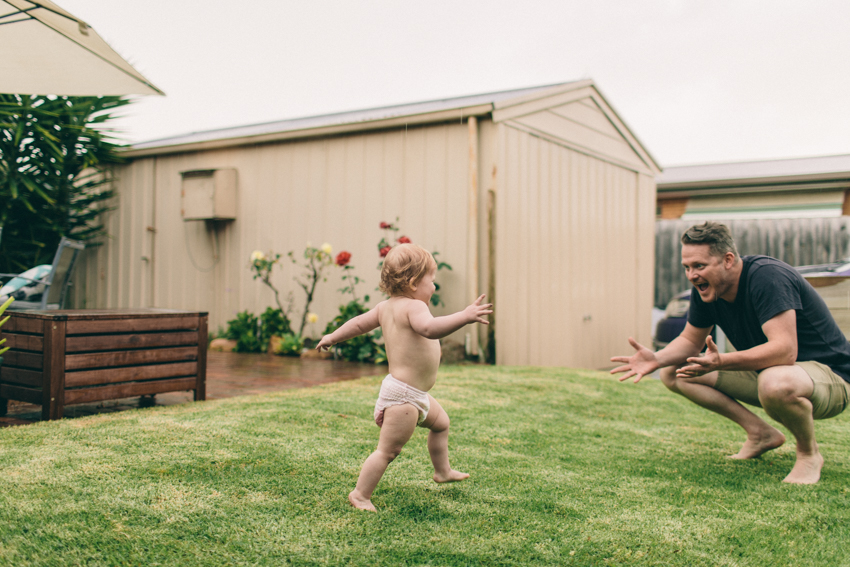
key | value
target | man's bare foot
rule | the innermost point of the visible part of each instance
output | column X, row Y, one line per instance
column 359, row 502
column 453, row 476
column 759, row 444
column 806, row 470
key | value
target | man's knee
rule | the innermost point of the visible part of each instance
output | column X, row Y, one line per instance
column 779, row 385
column 668, row 378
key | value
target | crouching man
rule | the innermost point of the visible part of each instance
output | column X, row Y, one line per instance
column 791, row 359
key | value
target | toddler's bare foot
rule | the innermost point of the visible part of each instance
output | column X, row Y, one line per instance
column 452, row 476
column 759, row 444
column 806, row 470
column 359, row 502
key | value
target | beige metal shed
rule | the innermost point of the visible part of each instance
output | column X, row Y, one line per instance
column 541, row 197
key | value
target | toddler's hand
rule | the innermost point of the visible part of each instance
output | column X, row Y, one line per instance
column 325, row 343
column 475, row 312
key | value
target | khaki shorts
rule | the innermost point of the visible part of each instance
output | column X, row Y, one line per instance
column 829, row 398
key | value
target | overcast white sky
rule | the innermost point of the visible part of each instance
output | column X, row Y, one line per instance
column 696, row 80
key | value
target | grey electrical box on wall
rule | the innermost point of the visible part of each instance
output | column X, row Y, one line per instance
column 208, row 194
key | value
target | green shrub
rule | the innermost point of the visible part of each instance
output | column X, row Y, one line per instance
column 364, row 348
column 253, row 334
column 273, row 323
column 245, row 331
column 291, row 345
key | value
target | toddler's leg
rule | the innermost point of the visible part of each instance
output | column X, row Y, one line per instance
column 399, row 424
column 438, row 444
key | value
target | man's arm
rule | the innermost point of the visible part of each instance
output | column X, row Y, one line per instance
column 689, row 343
column 430, row 327
column 359, row 325
column 644, row 361
column 779, row 350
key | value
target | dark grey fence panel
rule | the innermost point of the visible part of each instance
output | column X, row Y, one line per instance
column 799, row 242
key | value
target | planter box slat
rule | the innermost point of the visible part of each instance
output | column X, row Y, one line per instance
column 131, row 389
column 23, row 359
column 60, row 357
column 124, row 342
column 22, row 342
column 129, row 357
column 129, row 374
column 21, row 376
column 113, row 326
column 29, row 395
column 18, row 325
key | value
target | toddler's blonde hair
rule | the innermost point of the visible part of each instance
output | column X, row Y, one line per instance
column 406, row 264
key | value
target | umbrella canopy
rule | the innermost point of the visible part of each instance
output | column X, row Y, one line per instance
column 45, row 50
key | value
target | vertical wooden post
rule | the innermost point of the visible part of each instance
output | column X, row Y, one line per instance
column 53, row 381
column 201, row 379
column 472, row 231
column 491, row 275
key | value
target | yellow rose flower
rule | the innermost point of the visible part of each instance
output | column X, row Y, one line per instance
column 326, row 248
column 312, row 317
column 257, row 255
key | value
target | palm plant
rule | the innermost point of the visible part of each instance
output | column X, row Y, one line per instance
column 3, row 310
column 55, row 175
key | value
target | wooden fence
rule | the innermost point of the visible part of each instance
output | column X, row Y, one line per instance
column 799, row 242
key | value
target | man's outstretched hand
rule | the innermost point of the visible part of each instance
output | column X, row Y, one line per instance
column 641, row 363
column 699, row 365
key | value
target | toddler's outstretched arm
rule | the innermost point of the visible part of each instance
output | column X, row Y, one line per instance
column 432, row 327
column 359, row 325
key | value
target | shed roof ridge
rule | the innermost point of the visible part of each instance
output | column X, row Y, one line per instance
column 356, row 116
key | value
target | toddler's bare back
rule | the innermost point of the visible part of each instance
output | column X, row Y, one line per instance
column 412, row 358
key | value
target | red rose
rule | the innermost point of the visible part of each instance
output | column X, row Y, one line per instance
column 343, row 258
column 385, row 250
column 385, row 225
column 404, row 240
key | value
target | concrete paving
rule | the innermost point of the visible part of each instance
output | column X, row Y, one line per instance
column 229, row 374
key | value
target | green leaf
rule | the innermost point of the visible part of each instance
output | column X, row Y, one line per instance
column 55, row 154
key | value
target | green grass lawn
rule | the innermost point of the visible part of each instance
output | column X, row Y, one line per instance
column 568, row 468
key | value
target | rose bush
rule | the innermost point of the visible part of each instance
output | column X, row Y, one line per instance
column 385, row 245
column 343, row 258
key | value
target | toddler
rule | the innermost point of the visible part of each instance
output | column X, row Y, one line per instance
column 413, row 352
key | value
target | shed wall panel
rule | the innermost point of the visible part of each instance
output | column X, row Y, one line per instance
column 573, row 255
column 335, row 190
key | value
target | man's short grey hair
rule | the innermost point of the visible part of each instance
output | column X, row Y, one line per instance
column 715, row 234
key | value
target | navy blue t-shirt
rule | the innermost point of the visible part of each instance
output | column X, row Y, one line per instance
column 767, row 288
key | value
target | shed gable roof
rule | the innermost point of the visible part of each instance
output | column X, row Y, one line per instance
column 578, row 116
column 590, row 112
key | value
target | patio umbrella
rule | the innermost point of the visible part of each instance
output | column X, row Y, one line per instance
column 45, row 50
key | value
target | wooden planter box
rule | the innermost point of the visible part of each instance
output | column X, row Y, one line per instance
column 64, row 357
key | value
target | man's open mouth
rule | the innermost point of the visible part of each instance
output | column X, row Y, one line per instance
column 702, row 286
